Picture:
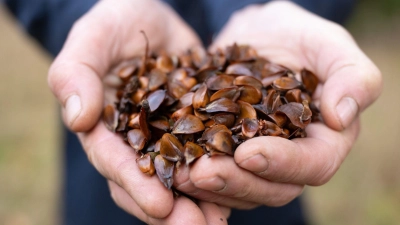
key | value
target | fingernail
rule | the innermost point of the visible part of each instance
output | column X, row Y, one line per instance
column 211, row 184
column 256, row 163
column 72, row 108
column 347, row 110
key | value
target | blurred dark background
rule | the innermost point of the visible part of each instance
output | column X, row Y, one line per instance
column 366, row 189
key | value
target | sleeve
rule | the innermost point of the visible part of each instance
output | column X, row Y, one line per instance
column 48, row 21
column 220, row 11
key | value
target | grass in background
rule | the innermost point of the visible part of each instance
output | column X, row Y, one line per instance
column 29, row 153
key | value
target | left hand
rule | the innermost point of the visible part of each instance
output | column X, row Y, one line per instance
column 273, row 171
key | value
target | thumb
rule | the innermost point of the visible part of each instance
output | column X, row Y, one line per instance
column 75, row 75
column 351, row 81
column 97, row 41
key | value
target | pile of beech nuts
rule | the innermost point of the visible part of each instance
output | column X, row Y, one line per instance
column 172, row 109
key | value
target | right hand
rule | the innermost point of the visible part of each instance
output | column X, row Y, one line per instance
column 108, row 34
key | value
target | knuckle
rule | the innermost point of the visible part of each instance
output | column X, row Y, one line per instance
column 285, row 195
column 327, row 172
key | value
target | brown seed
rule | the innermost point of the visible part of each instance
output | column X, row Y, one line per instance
column 310, row 81
column 199, row 56
column 144, row 110
column 239, row 69
column 157, row 78
column 246, row 111
column 178, row 75
column 200, row 97
column 188, row 124
column 189, row 82
column 203, row 74
column 176, row 89
column 218, row 59
column 110, row 117
column 307, row 114
column 248, row 80
column 122, row 122
column 160, row 123
column 219, row 82
column 134, row 121
column 286, row 83
column 171, row 148
column 144, row 82
column 138, row 96
column 249, row 127
column 127, row 71
column 276, row 102
column 185, row 100
column 157, row 146
column 227, row 119
column 269, row 128
column 293, row 95
column 203, row 116
column 250, row 94
column 266, row 81
column 164, row 63
column 209, row 123
column 271, row 69
column 136, row 139
column 295, row 111
column 169, row 100
column 146, row 165
column 220, row 143
column 164, row 170
column 181, row 112
column 278, row 118
column 155, row 99
column 192, row 151
column 185, row 60
column 232, row 93
column 210, row 132
column 222, row 105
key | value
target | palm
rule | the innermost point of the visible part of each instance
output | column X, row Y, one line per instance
column 349, row 82
column 291, row 36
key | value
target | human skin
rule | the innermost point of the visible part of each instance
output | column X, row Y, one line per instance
column 107, row 35
column 349, row 82
column 110, row 33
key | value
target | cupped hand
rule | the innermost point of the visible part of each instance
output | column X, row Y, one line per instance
column 108, row 34
column 273, row 170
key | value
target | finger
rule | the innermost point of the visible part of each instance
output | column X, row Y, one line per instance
column 96, row 42
column 214, row 214
column 221, row 175
column 351, row 80
column 74, row 77
column 184, row 210
column 183, row 183
column 312, row 160
column 125, row 201
column 116, row 160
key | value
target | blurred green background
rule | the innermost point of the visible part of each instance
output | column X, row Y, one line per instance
column 366, row 189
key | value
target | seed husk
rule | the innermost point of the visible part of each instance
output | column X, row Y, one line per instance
column 175, row 108
column 222, row 105
column 136, row 139
column 192, row 151
column 188, row 124
column 171, row 148
column 165, row 170
column 146, row 164
column 110, row 117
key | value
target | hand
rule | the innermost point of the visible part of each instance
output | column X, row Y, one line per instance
column 274, row 170
column 105, row 36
